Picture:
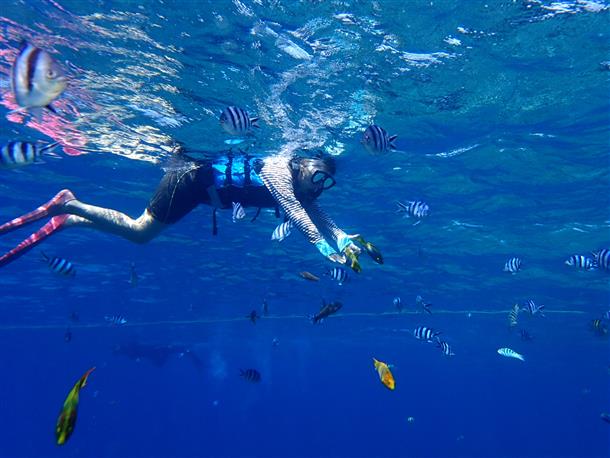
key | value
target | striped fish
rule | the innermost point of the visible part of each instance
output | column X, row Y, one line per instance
column 282, row 231
column 599, row 327
column 18, row 154
column 581, row 262
column 533, row 309
column 513, row 265
column 416, row 208
column 419, row 301
column 250, row 375
column 512, row 315
column 602, row 258
column 338, row 274
column 238, row 212
column 376, row 140
column 397, row 303
column 59, row 265
column 445, row 348
column 116, row 320
column 507, row 352
column 36, row 78
column 425, row 333
column 236, row 121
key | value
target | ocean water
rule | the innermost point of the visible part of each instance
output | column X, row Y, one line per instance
column 501, row 108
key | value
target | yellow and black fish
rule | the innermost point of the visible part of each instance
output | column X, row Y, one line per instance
column 67, row 416
column 385, row 375
column 371, row 249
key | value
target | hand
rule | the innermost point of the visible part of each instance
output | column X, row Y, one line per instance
column 336, row 257
column 345, row 242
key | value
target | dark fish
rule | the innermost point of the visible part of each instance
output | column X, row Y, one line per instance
column 326, row 310
column 250, row 375
column 253, row 316
column 338, row 274
column 581, row 262
column 74, row 317
column 513, row 265
column 416, row 209
column 60, row 266
column 156, row 354
column 376, row 140
column 18, row 154
column 309, row 276
column 236, row 121
column 606, row 417
column 425, row 333
column 275, row 342
column 265, row 308
column 36, row 78
column 133, row 275
column 525, row 336
column 426, row 306
column 68, row 336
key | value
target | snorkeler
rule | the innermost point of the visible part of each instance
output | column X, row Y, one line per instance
column 292, row 183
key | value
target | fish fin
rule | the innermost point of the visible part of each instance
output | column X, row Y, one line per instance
column 51, row 108
column 401, row 207
column 392, row 138
column 391, row 142
column 83, row 379
column 254, row 122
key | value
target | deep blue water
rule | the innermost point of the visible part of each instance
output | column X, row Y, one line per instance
column 502, row 116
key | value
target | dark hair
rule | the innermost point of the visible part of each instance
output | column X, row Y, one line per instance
column 319, row 160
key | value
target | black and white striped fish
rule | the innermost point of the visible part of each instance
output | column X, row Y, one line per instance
column 376, row 140
column 513, row 265
column 513, row 315
column 338, row 274
column 425, row 333
column 533, row 309
column 397, row 303
column 238, row 211
column 18, row 154
column 236, row 121
column 59, row 265
column 116, row 320
column 250, row 375
column 602, row 258
column 445, row 348
column 581, row 262
column 282, row 231
column 36, row 78
column 416, row 208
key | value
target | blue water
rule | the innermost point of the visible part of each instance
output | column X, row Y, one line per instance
column 502, row 116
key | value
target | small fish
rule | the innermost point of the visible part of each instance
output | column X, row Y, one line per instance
column 370, row 249
column 599, row 327
column 282, row 231
column 19, row 154
column 513, row 265
column 309, row 276
column 605, row 416
column 133, row 275
column 236, row 121
column 445, row 348
column 238, row 212
column 425, row 333
column 607, row 316
column 385, row 375
column 325, row 311
column 415, row 208
column 419, row 301
column 513, row 315
column 36, row 78
column 253, row 316
column 510, row 353
column 376, row 140
column 116, row 320
column 581, row 262
column 59, row 266
column 67, row 417
column 68, row 336
column 525, row 336
column 397, row 303
column 265, row 308
column 275, row 342
column 533, row 309
column 602, row 258
column 74, row 317
column 339, row 274
column 250, row 375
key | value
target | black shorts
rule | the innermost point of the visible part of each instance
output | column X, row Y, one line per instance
column 180, row 191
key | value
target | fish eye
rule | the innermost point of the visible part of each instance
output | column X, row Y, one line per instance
column 51, row 74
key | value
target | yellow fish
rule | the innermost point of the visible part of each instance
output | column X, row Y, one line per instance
column 67, row 416
column 385, row 375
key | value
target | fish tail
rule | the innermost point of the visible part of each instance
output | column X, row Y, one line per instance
column 83, row 379
column 254, row 122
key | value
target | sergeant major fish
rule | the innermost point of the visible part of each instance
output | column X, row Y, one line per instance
column 338, row 274
column 59, row 266
column 513, row 265
column 602, row 258
column 425, row 333
column 326, row 310
column 250, row 375
column 416, row 208
column 18, row 154
column 282, row 231
column 420, row 302
column 236, row 121
column 36, row 78
column 445, row 348
column 533, row 309
column 508, row 353
column 581, row 262
column 238, row 212
column 513, row 315
column 376, row 140
column 397, row 303
column 385, row 375
column 116, row 320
